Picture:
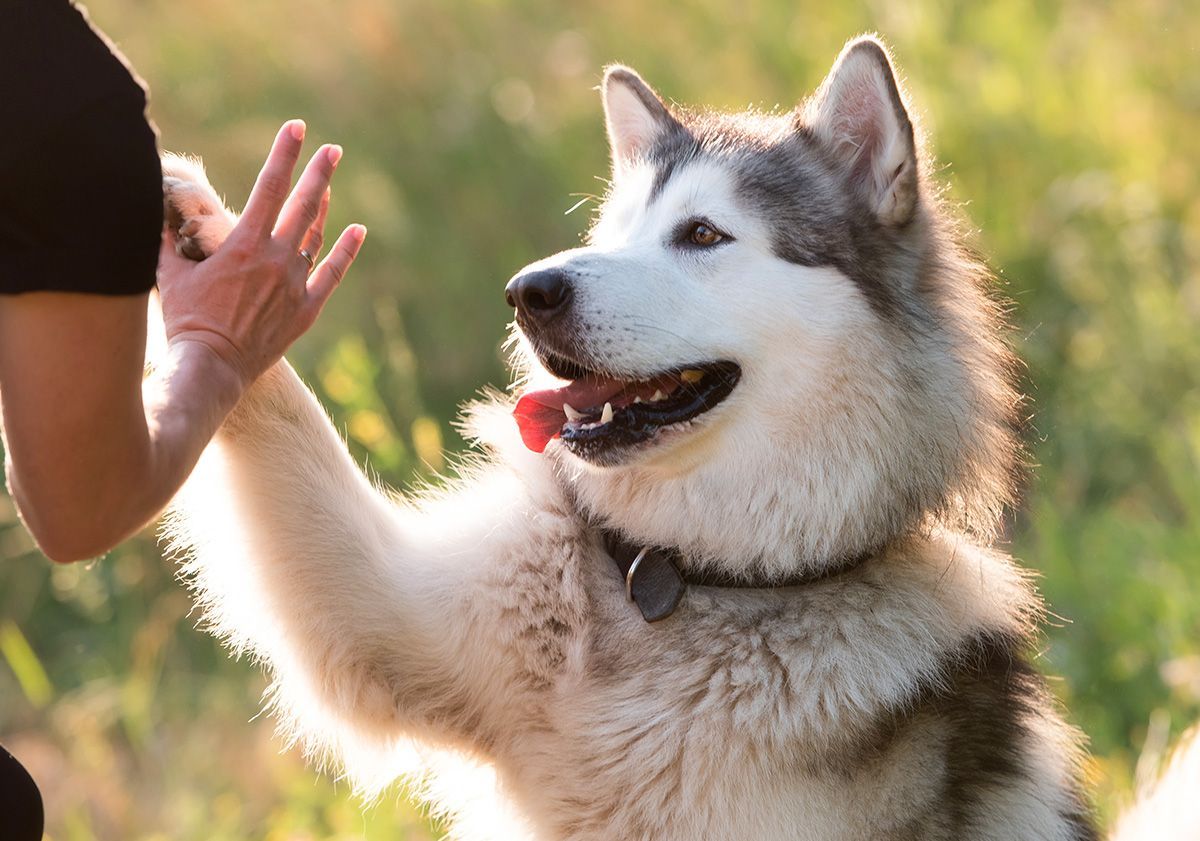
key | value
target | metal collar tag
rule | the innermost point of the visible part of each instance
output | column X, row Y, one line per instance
column 652, row 581
column 655, row 583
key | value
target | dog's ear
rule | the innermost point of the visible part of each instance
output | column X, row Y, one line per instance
column 859, row 112
column 634, row 114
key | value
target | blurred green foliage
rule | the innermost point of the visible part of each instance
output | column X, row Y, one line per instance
column 1070, row 130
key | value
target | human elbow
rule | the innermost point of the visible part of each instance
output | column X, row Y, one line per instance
column 67, row 553
column 67, row 533
column 67, row 545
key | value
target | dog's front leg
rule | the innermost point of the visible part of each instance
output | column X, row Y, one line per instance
column 362, row 609
column 367, row 612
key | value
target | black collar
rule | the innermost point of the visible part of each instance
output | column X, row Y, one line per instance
column 656, row 582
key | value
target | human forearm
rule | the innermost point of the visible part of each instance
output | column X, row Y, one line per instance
column 107, row 491
column 185, row 400
column 93, row 451
column 74, row 423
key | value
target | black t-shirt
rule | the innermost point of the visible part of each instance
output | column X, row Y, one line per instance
column 21, row 817
column 80, row 180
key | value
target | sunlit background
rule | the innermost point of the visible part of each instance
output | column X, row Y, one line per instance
column 1069, row 131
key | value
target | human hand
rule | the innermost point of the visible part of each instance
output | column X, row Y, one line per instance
column 255, row 293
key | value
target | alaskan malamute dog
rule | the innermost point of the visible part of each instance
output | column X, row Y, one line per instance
column 727, row 574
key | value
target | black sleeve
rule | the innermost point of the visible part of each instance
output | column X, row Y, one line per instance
column 80, row 180
column 20, row 801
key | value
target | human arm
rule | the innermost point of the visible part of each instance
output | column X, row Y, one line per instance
column 93, row 451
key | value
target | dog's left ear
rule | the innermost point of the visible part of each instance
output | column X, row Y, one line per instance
column 635, row 116
column 859, row 112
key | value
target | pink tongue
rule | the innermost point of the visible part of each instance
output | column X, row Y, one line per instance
column 540, row 416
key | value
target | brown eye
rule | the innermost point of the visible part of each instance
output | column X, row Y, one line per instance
column 703, row 234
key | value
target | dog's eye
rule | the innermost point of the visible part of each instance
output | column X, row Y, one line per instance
column 701, row 234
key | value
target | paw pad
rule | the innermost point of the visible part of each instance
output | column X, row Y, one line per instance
column 195, row 216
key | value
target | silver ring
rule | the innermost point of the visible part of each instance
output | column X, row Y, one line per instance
column 308, row 258
column 633, row 567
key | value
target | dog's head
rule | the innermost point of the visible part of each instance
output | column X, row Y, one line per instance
column 772, row 351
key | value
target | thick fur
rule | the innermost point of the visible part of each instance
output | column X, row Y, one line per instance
column 484, row 621
column 1169, row 808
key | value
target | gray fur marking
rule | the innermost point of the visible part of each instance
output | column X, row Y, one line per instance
column 788, row 178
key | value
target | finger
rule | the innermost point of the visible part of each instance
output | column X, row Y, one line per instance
column 304, row 204
column 332, row 269
column 315, row 238
column 271, row 188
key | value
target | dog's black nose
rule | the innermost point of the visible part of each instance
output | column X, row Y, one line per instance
column 540, row 294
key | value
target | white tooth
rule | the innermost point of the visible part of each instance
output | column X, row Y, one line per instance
column 658, row 395
column 637, row 400
column 572, row 415
column 607, row 415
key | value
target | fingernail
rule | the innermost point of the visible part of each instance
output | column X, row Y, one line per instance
column 358, row 232
column 334, row 154
column 296, row 127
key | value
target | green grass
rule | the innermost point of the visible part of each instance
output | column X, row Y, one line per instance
column 1070, row 131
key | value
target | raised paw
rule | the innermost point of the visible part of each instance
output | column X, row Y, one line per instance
column 193, row 211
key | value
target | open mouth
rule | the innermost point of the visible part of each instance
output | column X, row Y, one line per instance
column 596, row 413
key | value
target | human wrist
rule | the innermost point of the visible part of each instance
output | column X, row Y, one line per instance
column 211, row 371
